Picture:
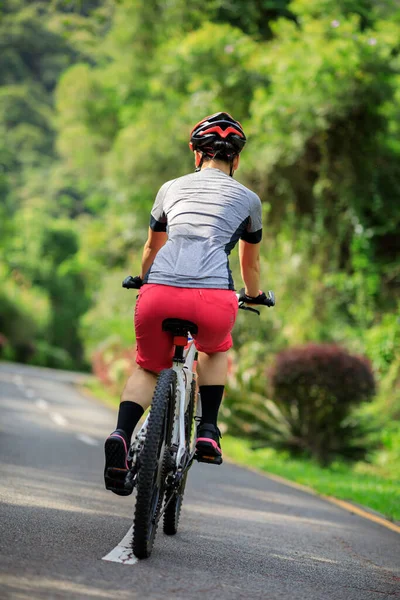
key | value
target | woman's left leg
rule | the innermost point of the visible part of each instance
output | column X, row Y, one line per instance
column 136, row 397
column 153, row 353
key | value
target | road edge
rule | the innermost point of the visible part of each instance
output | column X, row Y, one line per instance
column 358, row 510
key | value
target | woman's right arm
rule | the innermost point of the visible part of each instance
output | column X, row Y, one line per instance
column 155, row 241
column 249, row 257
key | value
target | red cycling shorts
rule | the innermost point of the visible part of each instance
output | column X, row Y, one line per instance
column 214, row 312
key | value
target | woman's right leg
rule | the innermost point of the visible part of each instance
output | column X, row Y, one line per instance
column 216, row 314
column 212, row 372
column 212, row 369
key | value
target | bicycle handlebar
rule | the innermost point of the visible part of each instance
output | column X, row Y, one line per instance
column 263, row 299
column 268, row 299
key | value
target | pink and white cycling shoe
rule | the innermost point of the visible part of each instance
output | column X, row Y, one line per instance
column 208, row 447
column 116, row 467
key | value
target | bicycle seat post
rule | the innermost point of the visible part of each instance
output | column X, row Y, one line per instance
column 179, row 329
column 179, row 343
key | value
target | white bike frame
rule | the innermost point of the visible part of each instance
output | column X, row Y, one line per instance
column 184, row 377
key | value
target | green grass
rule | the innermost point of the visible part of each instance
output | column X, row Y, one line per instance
column 340, row 480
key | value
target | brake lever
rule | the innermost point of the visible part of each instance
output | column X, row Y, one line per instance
column 271, row 298
column 243, row 307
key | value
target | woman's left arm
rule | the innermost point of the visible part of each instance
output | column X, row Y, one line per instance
column 155, row 241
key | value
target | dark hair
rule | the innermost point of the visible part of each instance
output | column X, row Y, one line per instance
column 220, row 150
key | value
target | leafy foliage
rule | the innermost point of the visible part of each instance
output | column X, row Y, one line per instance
column 97, row 99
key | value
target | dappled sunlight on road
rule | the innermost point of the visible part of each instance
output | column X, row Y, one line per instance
column 257, row 516
column 263, row 496
column 302, row 557
column 23, row 588
column 35, row 487
column 82, row 416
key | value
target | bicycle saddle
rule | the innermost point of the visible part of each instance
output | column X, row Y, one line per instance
column 179, row 327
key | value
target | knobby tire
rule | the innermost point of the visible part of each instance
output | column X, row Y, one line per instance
column 151, row 476
column 173, row 510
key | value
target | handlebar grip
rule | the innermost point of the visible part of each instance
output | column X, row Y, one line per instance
column 262, row 299
column 270, row 298
column 132, row 283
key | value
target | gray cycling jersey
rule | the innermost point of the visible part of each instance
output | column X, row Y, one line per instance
column 205, row 214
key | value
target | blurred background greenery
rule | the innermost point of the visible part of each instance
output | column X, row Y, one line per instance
column 97, row 99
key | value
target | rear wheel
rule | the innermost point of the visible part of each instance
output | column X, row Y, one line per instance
column 151, row 476
column 173, row 510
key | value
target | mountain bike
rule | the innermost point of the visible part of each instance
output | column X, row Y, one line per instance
column 163, row 450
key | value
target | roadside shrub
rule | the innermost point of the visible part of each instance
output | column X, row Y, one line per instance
column 315, row 388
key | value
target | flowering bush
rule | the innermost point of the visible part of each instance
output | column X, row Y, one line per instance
column 315, row 388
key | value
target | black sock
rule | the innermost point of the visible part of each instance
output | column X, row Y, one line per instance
column 128, row 417
column 211, row 398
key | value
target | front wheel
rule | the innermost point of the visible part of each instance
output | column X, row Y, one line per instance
column 151, row 476
column 173, row 510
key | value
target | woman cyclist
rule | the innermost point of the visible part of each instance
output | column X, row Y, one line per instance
column 195, row 222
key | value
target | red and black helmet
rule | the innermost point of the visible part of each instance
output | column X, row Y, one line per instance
column 208, row 134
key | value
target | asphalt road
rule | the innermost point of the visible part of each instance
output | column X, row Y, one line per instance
column 242, row 535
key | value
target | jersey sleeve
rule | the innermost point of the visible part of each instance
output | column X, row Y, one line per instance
column 158, row 218
column 253, row 232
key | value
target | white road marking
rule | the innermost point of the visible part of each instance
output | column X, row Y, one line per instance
column 123, row 552
column 17, row 379
column 86, row 439
column 40, row 403
column 58, row 419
